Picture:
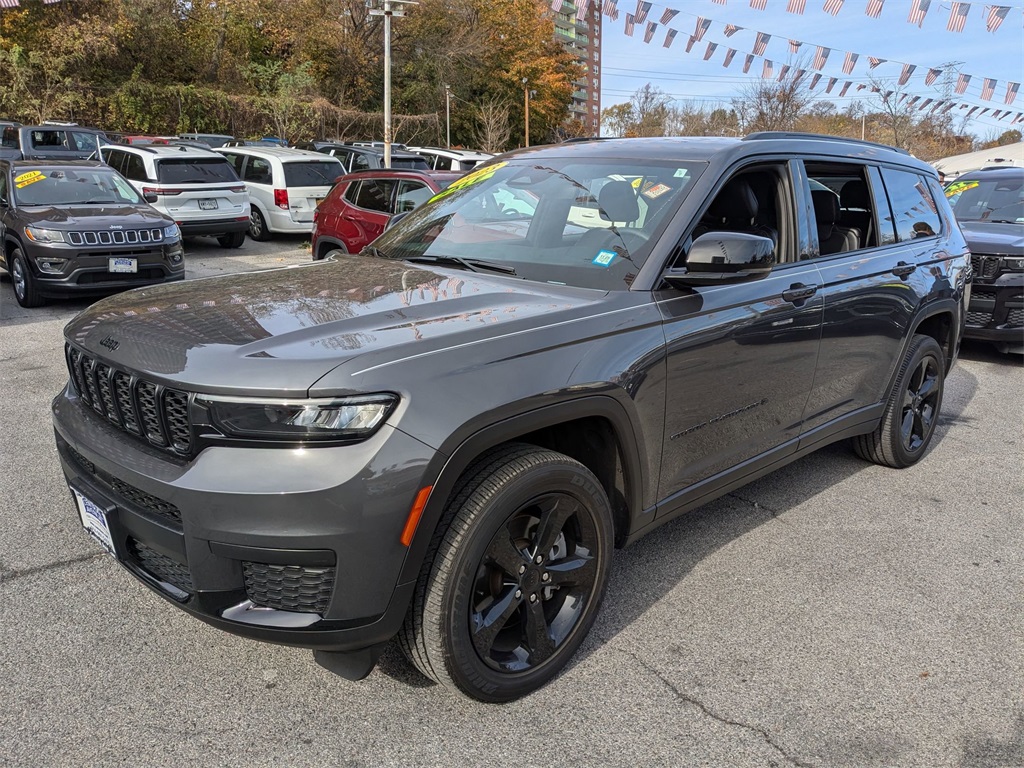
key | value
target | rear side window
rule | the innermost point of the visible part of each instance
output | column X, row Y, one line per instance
column 194, row 170
column 360, row 162
column 236, row 162
column 114, row 158
column 317, row 173
column 257, row 171
column 86, row 142
column 912, row 205
column 10, row 138
column 48, row 140
column 414, row 163
column 134, row 168
column 411, row 195
column 375, row 194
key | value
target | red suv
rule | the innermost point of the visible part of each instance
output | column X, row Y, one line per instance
column 360, row 205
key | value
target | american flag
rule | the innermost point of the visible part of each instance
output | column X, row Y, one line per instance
column 690, row 42
column 610, row 8
column 556, row 5
column 820, row 57
column 988, row 87
column 958, row 17
column 731, row 29
column 747, row 62
column 831, row 84
column 814, row 80
column 783, row 72
column 932, row 76
column 983, row 111
column 849, row 63
column 668, row 15
column 908, row 70
column 796, row 6
column 874, row 8
column 761, row 43
column 582, row 6
column 649, row 32
column 924, row 104
column 710, row 51
column 972, row 111
column 996, row 14
column 629, row 24
column 729, row 57
column 720, row 2
column 913, row 100
column 670, row 38
column 9, row 3
column 1011, row 92
column 794, row 46
column 846, row 87
column 702, row 26
column 918, row 11
column 961, row 83
column 996, row 113
column 766, row 70
column 874, row 62
column 833, row 6
column 759, row 5
column 642, row 9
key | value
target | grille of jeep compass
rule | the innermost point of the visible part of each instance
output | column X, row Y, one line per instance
column 299, row 588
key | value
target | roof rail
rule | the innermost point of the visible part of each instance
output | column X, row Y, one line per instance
column 765, row 135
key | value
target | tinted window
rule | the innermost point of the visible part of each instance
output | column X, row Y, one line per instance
column 134, row 168
column 375, row 194
column 3, row 185
column 352, row 192
column 415, row 163
column 411, row 195
column 85, row 142
column 115, row 159
column 999, row 200
column 48, row 140
column 912, row 205
column 10, row 138
column 257, row 170
column 844, row 210
column 236, row 161
column 315, row 173
column 193, row 170
column 360, row 162
column 70, row 186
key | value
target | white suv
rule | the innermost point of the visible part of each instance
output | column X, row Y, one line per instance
column 196, row 187
column 441, row 159
column 285, row 186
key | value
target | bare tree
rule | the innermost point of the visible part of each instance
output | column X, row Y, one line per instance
column 773, row 105
column 645, row 114
column 493, row 127
column 689, row 118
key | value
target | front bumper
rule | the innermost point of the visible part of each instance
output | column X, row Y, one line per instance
column 291, row 546
column 88, row 273
column 996, row 311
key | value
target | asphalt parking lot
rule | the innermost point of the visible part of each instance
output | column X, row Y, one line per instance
column 834, row 613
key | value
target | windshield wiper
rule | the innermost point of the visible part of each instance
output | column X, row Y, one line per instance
column 372, row 250
column 473, row 265
column 95, row 202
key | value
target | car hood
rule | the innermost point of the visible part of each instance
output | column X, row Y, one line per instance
column 277, row 332
column 93, row 217
column 994, row 239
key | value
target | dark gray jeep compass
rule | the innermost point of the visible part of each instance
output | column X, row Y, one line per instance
column 443, row 438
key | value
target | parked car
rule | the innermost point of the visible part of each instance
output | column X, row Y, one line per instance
column 248, row 143
column 38, row 142
column 989, row 204
column 198, row 188
column 211, row 140
column 441, row 159
column 285, row 186
column 79, row 229
column 360, row 205
column 363, row 157
column 444, row 437
column 143, row 140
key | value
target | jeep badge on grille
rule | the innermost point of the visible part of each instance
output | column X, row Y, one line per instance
column 110, row 343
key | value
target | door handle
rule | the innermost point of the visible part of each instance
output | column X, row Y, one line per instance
column 903, row 270
column 799, row 292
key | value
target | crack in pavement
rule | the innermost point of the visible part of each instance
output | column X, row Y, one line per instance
column 707, row 710
column 13, row 575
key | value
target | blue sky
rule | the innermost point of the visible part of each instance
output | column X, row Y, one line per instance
column 628, row 63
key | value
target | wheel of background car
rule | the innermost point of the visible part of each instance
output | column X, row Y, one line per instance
column 912, row 410
column 333, row 253
column 233, row 239
column 25, row 290
column 258, row 225
column 514, row 577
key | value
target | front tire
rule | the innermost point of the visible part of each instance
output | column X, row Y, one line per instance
column 912, row 411
column 25, row 290
column 258, row 226
column 232, row 239
column 514, row 581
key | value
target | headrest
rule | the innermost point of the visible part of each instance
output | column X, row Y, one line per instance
column 735, row 202
column 854, row 194
column 617, row 202
column 826, row 206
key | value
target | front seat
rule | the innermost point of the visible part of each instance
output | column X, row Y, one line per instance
column 616, row 202
column 735, row 209
column 832, row 238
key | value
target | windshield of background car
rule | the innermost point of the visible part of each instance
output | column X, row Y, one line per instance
column 318, row 173
column 194, row 170
column 587, row 222
column 994, row 200
column 72, row 186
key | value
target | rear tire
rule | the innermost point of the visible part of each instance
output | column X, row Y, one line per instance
column 514, row 577
column 912, row 411
column 258, row 226
column 231, row 240
column 25, row 290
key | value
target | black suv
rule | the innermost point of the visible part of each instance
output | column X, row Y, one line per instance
column 78, row 228
column 989, row 204
column 442, row 438
column 50, row 142
column 364, row 157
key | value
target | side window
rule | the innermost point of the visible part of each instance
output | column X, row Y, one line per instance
column 375, row 195
column 134, row 168
column 85, row 142
column 912, row 205
column 257, row 171
column 844, row 209
column 236, row 162
column 352, row 192
column 359, row 162
column 114, row 158
column 10, row 138
column 442, row 163
column 3, row 186
column 48, row 140
column 411, row 195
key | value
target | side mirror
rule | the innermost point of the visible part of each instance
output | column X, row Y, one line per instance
column 150, row 197
column 720, row 258
column 395, row 219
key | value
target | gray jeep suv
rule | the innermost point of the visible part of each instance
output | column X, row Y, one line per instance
column 443, row 438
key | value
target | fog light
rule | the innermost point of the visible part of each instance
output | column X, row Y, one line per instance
column 176, row 256
column 52, row 266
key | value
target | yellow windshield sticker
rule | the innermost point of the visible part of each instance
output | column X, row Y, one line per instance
column 29, row 177
column 960, row 186
column 637, row 181
column 470, row 179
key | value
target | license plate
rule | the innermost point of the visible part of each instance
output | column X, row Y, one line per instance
column 122, row 264
column 208, row 204
column 94, row 519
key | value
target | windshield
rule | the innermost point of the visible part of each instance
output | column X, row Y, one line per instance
column 194, row 170
column 585, row 222
column 993, row 200
column 317, row 173
column 72, row 186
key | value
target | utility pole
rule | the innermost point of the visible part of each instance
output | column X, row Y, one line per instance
column 448, row 114
column 526, row 108
column 387, row 12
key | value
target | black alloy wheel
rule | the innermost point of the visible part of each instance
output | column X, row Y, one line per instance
column 25, row 291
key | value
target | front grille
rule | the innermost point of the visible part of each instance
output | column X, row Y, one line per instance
column 299, row 588
column 162, row 567
column 979, row 318
column 151, row 273
column 1015, row 317
column 139, row 407
column 985, row 267
column 116, row 237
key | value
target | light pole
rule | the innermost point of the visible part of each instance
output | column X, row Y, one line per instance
column 448, row 114
column 387, row 13
column 526, row 107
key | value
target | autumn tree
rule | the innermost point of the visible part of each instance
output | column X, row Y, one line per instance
column 645, row 114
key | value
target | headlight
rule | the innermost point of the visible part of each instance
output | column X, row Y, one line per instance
column 46, row 236
column 346, row 418
column 1014, row 263
column 172, row 232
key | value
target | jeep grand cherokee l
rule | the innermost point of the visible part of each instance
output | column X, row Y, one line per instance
column 442, row 438
column 77, row 228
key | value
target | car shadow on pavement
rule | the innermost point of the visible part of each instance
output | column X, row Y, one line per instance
column 983, row 352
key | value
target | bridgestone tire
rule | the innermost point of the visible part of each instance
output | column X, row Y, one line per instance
column 498, row 612
column 912, row 411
